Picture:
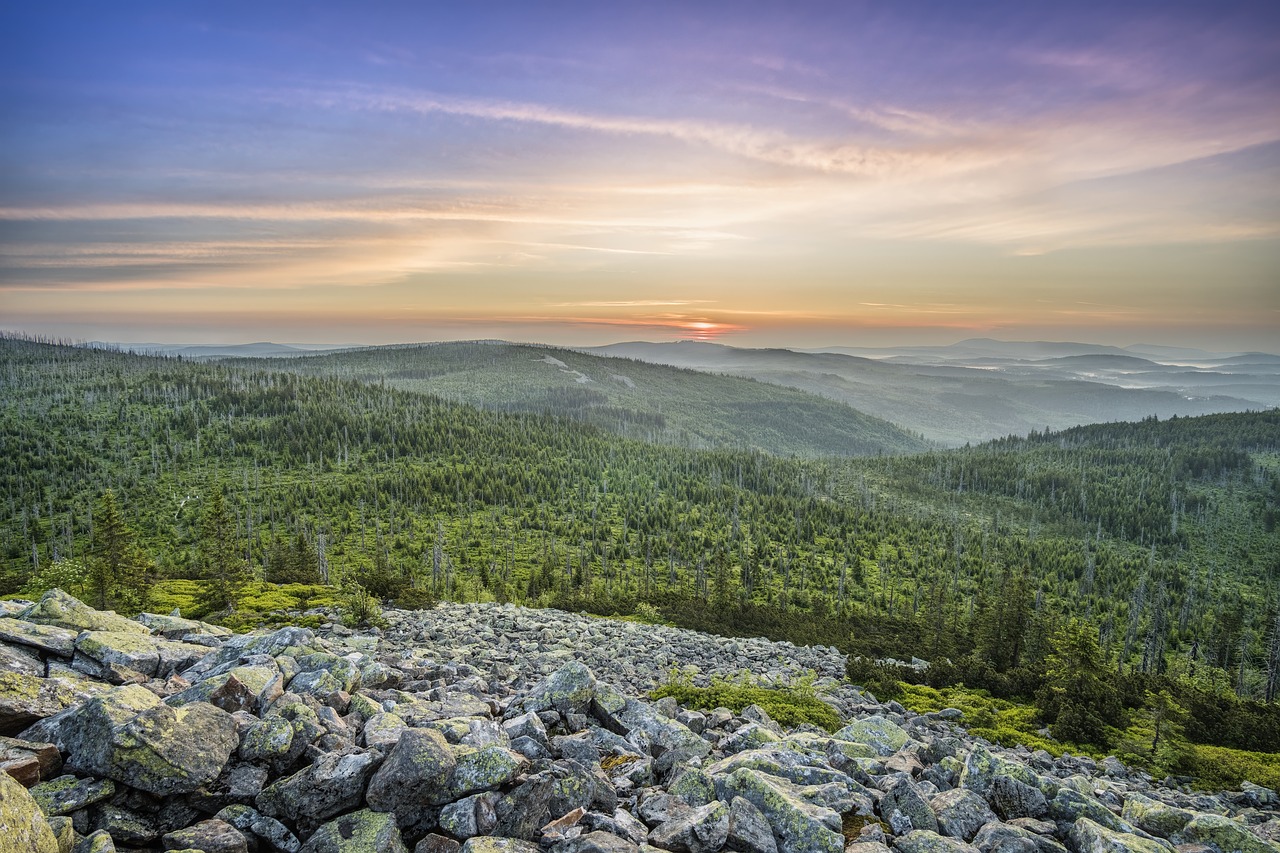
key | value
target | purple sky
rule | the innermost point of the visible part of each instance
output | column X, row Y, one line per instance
column 764, row 174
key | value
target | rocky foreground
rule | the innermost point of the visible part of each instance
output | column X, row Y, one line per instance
column 485, row 729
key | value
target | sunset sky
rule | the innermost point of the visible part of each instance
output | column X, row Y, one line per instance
column 798, row 174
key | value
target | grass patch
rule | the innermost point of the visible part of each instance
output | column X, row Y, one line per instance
column 789, row 706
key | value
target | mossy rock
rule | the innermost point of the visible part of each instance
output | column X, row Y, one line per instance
column 884, row 736
column 798, row 826
column 55, row 607
column 1154, row 816
column 364, row 831
column 25, row 828
column 1223, row 835
column 1088, row 836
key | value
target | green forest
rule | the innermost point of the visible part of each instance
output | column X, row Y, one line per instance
column 1145, row 554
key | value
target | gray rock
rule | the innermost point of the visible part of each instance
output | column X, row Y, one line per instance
column 25, row 827
column 701, row 830
column 49, row 639
column 484, row 769
column 1012, row 798
column 903, row 797
column 364, row 831
column 208, row 836
column 961, row 813
column 490, row 844
column 1090, row 837
column 471, row 816
column 999, row 837
column 67, row 794
column 1222, row 835
column 882, row 735
column 416, row 774
column 333, row 783
column 798, row 826
column 749, row 831
column 597, row 842
column 924, row 841
column 57, row 608
column 131, row 737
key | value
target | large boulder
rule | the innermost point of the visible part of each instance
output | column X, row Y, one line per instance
column 25, row 829
column 924, row 841
column 98, row 651
column 332, row 784
column 884, row 736
column 961, row 813
column 1223, row 835
column 798, row 826
column 568, row 690
column 55, row 607
column 1087, row 836
column 25, row 699
column 1155, row 817
column 364, row 831
column 701, row 830
column 132, row 737
column 415, row 776
column 49, row 639
column 905, row 799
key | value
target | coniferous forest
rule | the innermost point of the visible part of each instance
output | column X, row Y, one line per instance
column 1099, row 572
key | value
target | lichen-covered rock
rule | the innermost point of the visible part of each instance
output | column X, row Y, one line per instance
column 798, row 826
column 484, row 769
column 998, row 837
column 25, row 829
column 1013, row 798
column 749, row 830
column 961, row 813
column 884, row 736
column 207, row 836
column 158, row 749
column 175, row 627
column 98, row 841
column 694, row 786
column 1155, row 817
column 904, row 798
column 333, row 783
column 568, row 690
column 471, row 816
column 46, row 638
column 364, row 831
column 1223, row 835
column 1087, row 836
column 1070, row 805
column 264, row 682
column 25, row 699
column 55, row 607
column 416, row 773
column 924, row 841
column 491, row 844
column 268, row 740
column 67, row 794
column 701, row 830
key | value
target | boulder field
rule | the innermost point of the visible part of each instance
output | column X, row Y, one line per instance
column 484, row 728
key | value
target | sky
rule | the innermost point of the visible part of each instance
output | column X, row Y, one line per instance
column 760, row 174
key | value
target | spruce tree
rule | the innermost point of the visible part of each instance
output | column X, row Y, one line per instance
column 222, row 567
column 1079, row 696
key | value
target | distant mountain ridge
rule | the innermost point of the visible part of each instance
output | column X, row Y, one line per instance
column 983, row 389
column 633, row 398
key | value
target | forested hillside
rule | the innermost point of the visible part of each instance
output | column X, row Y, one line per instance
column 653, row 402
column 1160, row 535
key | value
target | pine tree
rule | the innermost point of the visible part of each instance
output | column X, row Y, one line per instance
column 1079, row 696
column 224, row 570
column 118, row 570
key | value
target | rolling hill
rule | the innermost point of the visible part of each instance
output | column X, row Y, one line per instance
column 633, row 398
